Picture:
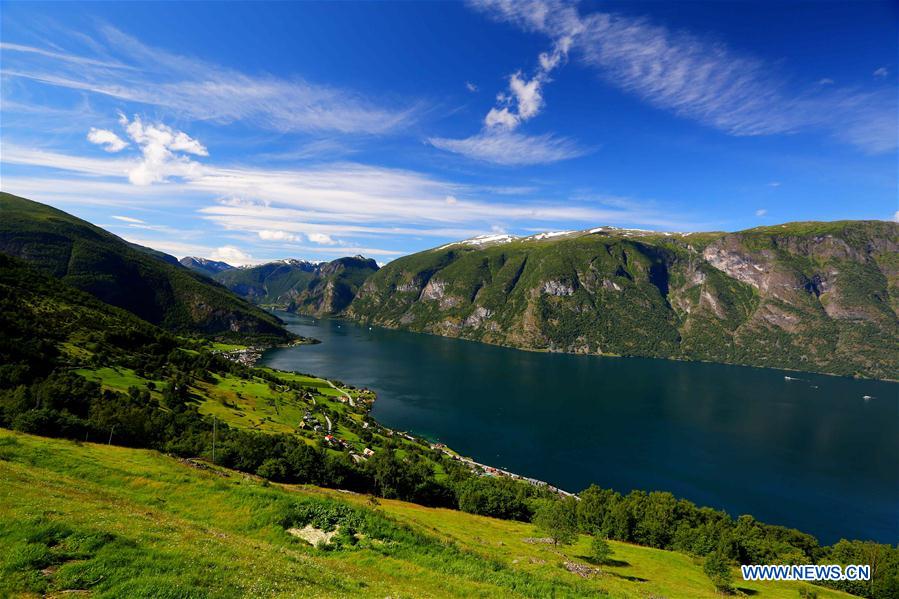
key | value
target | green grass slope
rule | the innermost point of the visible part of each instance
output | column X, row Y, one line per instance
column 119, row 273
column 115, row 522
column 50, row 327
column 809, row 296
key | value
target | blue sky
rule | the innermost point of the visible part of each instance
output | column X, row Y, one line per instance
column 251, row 132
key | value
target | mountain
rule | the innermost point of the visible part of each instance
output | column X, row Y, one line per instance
column 204, row 266
column 335, row 286
column 136, row 279
column 810, row 296
column 269, row 283
column 133, row 405
column 310, row 288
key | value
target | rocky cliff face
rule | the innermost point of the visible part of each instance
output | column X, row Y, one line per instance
column 310, row 288
column 810, row 296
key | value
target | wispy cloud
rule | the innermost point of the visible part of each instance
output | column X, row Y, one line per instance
column 201, row 90
column 322, row 204
column 702, row 80
column 511, row 148
column 128, row 219
column 497, row 141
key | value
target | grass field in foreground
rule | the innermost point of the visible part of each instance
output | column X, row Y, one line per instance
column 117, row 522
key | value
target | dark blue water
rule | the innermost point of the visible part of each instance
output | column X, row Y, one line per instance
column 810, row 454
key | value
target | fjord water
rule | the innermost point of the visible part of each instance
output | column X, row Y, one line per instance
column 809, row 453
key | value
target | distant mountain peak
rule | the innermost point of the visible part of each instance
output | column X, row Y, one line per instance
column 204, row 266
column 483, row 240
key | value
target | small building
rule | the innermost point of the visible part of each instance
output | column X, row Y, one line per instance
column 368, row 452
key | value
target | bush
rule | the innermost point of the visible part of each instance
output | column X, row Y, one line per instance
column 717, row 568
column 600, row 550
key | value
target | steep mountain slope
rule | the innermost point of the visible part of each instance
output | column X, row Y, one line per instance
column 335, row 287
column 305, row 287
column 204, row 266
column 124, row 275
column 48, row 324
column 810, row 296
column 268, row 283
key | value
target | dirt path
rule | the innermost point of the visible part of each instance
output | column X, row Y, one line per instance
column 345, row 394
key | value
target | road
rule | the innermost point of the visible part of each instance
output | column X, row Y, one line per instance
column 345, row 394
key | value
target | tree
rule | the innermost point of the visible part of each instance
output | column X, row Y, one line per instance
column 600, row 551
column 496, row 497
column 717, row 568
column 558, row 520
column 273, row 469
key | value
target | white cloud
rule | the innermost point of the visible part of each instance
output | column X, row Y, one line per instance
column 341, row 200
column 896, row 216
column 826, row 81
column 471, row 86
column 232, row 255
column 14, row 154
column 158, row 144
column 195, row 89
column 62, row 56
column 774, row 184
column 881, row 72
column 761, row 212
column 128, row 219
column 496, row 143
column 525, row 98
column 699, row 79
column 269, row 235
column 501, row 117
column 106, row 138
column 509, row 148
column 321, row 238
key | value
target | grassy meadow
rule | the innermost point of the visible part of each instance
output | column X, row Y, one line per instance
column 108, row 521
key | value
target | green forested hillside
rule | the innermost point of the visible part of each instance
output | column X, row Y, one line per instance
column 136, row 279
column 320, row 289
column 810, row 296
column 271, row 283
column 335, row 287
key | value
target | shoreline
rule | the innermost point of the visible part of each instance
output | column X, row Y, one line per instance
column 249, row 356
column 434, row 440
column 537, row 350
